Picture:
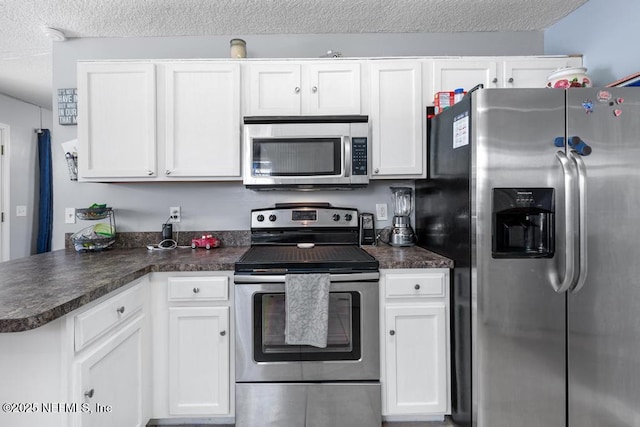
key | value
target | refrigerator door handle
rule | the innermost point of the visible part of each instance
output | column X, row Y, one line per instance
column 582, row 219
column 569, row 170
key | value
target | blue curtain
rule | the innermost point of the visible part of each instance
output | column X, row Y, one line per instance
column 45, row 210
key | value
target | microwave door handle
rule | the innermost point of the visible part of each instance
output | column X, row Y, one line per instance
column 346, row 152
column 561, row 285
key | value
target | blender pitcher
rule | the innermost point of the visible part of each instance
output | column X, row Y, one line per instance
column 402, row 234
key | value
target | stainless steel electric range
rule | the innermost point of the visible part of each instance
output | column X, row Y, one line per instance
column 279, row 384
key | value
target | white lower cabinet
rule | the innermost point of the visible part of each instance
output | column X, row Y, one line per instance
column 110, row 366
column 198, row 360
column 193, row 361
column 415, row 344
column 112, row 382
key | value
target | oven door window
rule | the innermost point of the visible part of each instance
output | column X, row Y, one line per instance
column 296, row 156
column 343, row 339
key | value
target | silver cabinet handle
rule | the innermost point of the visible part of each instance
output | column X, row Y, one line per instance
column 510, row 80
column 416, row 287
column 150, row 173
column 376, row 170
column 89, row 393
column 571, row 239
column 120, row 310
column 297, row 89
column 314, row 89
column 223, row 333
column 167, row 172
column 495, row 80
column 582, row 220
column 196, row 290
column 392, row 332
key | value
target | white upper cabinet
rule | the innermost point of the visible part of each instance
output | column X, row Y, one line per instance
column 533, row 72
column 397, row 118
column 293, row 88
column 159, row 120
column 450, row 74
column 202, row 120
column 116, row 120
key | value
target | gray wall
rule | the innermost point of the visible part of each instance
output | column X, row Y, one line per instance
column 23, row 119
column 605, row 32
column 225, row 206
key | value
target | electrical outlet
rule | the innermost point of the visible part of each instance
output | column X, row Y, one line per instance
column 70, row 215
column 174, row 214
column 381, row 212
column 21, row 211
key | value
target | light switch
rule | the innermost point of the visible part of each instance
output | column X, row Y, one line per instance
column 70, row 215
column 21, row 211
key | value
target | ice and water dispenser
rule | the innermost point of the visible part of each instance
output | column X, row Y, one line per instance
column 523, row 224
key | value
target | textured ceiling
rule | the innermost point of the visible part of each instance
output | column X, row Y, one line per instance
column 25, row 53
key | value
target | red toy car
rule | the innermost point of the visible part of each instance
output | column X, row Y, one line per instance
column 206, row 242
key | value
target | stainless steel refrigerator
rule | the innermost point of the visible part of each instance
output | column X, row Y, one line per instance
column 535, row 195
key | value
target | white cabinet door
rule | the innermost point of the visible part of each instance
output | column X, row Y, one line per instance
column 111, row 380
column 415, row 353
column 295, row 88
column 397, row 119
column 199, row 360
column 533, row 72
column 116, row 120
column 274, row 89
column 202, row 120
column 450, row 74
column 332, row 88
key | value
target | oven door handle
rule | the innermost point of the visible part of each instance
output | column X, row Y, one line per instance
column 279, row 278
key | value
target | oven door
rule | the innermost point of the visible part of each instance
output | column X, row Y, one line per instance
column 352, row 351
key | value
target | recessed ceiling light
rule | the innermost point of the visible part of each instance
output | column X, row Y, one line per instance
column 53, row 34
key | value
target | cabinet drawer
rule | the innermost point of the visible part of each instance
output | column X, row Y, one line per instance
column 421, row 285
column 96, row 321
column 198, row 288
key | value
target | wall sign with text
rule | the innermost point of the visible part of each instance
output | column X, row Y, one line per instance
column 68, row 106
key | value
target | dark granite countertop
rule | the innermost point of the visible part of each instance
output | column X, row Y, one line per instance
column 38, row 289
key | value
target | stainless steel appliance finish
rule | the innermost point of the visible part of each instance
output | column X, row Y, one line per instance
column 278, row 384
column 305, row 152
column 540, row 341
column 308, row 404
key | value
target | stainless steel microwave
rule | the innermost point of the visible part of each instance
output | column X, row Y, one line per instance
column 305, row 152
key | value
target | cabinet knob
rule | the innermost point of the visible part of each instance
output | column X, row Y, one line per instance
column 510, row 80
column 223, row 333
column 314, row 89
column 120, row 310
column 167, row 172
column 495, row 80
column 196, row 290
column 376, row 170
column 416, row 287
column 150, row 173
column 297, row 89
column 89, row 393
column 392, row 332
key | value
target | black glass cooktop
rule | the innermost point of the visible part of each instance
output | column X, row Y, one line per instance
column 319, row 258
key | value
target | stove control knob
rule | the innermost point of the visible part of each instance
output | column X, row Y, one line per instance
column 336, row 217
column 260, row 218
column 347, row 217
column 272, row 218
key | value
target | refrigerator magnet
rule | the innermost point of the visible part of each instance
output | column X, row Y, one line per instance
column 617, row 112
column 588, row 106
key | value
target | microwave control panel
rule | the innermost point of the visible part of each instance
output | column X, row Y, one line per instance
column 359, row 156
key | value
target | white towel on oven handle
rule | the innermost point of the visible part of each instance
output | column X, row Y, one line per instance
column 307, row 309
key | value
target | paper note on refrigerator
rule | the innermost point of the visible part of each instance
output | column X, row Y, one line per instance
column 461, row 130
